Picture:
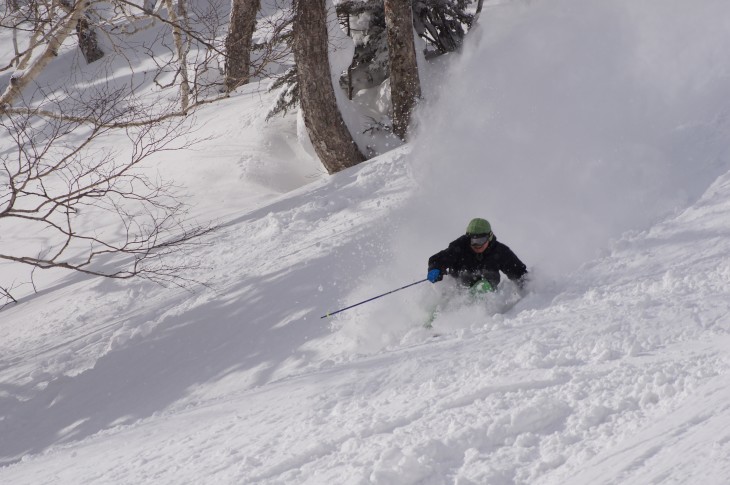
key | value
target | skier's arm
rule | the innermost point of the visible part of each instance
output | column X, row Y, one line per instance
column 435, row 269
column 513, row 267
column 445, row 261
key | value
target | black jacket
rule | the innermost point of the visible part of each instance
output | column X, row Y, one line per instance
column 460, row 261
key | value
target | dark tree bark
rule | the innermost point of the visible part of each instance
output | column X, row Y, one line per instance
column 148, row 6
column 88, row 43
column 327, row 130
column 405, row 86
column 239, row 40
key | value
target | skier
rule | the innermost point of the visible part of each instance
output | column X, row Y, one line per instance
column 476, row 258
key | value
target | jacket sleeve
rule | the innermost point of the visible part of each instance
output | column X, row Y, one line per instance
column 446, row 260
column 512, row 266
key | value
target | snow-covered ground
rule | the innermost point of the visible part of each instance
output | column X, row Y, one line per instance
column 594, row 135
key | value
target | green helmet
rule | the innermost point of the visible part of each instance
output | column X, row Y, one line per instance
column 478, row 226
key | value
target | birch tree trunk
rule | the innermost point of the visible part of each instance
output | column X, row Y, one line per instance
column 182, row 56
column 238, row 42
column 327, row 130
column 55, row 39
column 12, row 8
column 405, row 86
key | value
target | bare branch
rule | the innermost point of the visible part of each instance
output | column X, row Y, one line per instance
column 55, row 38
column 100, row 214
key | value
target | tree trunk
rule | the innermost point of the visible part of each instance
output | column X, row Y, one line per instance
column 477, row 13
column 177, row 35
column 405, row 87
column 88, row 42
column 327, row 130
column 148, row 6
column 55, row 39
column 239, row 40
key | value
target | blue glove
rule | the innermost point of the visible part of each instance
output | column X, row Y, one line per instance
column 434, row 275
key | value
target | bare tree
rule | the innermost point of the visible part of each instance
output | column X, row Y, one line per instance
column 55, row 176
column 53, row 40
column 59, row 181
column 405, row 87
column 52, row 23
column 239, row 42
column 183, row 40
column 327, row 130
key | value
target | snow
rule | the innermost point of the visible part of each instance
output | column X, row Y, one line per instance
column 592, row 134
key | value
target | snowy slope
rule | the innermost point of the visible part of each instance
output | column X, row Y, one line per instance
column 606, row 383
column 613, row 370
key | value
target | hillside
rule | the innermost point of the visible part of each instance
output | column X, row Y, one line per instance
column 593, row 135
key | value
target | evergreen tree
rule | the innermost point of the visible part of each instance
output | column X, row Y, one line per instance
column 442, row 24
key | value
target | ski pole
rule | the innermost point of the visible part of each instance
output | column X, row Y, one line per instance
column 373, row 298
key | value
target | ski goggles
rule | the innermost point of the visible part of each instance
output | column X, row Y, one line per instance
column 480, row 239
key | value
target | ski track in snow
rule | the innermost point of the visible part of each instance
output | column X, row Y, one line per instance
column 615, row 373
column 619, row 374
